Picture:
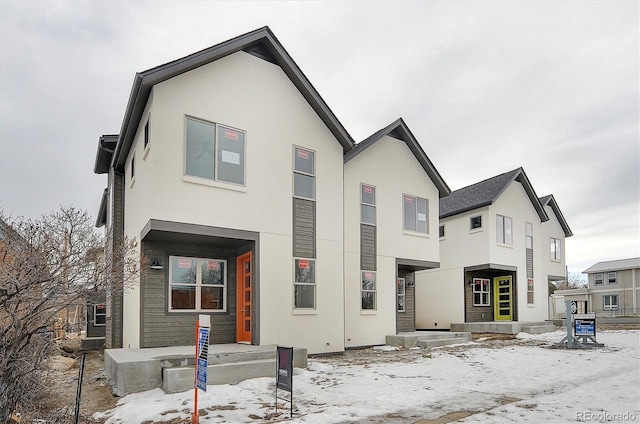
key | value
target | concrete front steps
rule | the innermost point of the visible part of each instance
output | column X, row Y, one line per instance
column 428, row 339
column 506, row 327
column 172, row 368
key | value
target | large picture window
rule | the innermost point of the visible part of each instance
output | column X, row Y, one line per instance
column 367, row 204
column 415, row 214
column 368, row 290
column 504, row 230
column 556, row 249
column 304, row 173
column 481, row 292
column 304, row 287
column 197, row 284
column 215, row 152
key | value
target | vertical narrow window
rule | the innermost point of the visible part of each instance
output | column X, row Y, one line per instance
column 368, row 290
column 528, row 230
column 530, row 291
column 416, row 213
column 481, row 292
column 504, row 230
column 304, row 173
column 475, row 222
column 598, row 279
column 612, row 277
column 401, row 294
column 367, row 204
column 304, row 288
column 146, row 134
column 556, row 250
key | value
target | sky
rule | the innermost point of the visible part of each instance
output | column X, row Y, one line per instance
column 485, row 86
column 420, row 384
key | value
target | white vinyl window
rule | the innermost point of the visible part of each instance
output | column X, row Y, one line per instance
column 504, row 230
column 215, row 152
column 368, row 290
column 481, row 292
column 556, row 249
column 304, row 286
column 401, row 287
column 197, row 284
column 304, row 173
column 612, row 277
column 610, row 302
column 367, row 204
column 416, row 215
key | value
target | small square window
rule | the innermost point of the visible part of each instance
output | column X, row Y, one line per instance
column 475, row 222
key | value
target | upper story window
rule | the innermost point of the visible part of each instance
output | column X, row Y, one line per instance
column 304, row 173
column 215, row 152
column 598, row 279
column 475, row 222
column 504, row 230
column 556, row 249
column 528, row 232
column 612, row 277
column 415, row 214
column 367, row 204
column 441, row 231
column 197, row 284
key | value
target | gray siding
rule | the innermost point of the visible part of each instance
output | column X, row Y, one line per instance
column 159, row 327
column 406, row 321
column 368, row 247
column 304, row 228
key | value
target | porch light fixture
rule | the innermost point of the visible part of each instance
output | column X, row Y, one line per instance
column 155, row 264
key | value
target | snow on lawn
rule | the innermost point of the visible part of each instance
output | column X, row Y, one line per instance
column 551, row 385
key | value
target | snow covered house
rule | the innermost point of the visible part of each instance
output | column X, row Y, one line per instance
column 500, row 246
column 230, row 173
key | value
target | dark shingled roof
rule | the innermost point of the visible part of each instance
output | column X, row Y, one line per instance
column 400, row 131
column 551, row 201
column 486, row 193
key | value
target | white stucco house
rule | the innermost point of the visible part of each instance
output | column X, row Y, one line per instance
column 248, row 199
column 500, row 245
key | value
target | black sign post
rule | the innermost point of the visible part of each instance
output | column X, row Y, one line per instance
column 284, row 373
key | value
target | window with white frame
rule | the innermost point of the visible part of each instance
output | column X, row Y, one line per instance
column 304, row 173
column 528, row 232
column 304, row 286
column 612, row 277
column 598, row 279
column 416, row 214
column 441, row 231
column 367, row 204
column 504, row 230
column 481, row 292
column 400, row 284
column 610, row 302
column 530, row 291
column 215, row 152
column 368, row 290
column 556, row 249
column 475, row 222
column 197, row 284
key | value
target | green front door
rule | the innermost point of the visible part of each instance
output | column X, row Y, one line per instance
column 502, row 298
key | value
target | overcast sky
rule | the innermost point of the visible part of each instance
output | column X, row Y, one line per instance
column 485, row 86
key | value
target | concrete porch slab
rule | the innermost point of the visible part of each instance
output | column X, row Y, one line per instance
column 505, row 327
column 137, row 370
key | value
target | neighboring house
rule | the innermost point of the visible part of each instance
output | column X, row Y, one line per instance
column 391, row 222
column 500, row 246
column 229, row 172
column 614, row 287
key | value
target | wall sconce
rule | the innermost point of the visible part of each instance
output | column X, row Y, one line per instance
column 155, row 264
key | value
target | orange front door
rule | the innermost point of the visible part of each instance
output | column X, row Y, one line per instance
column 243, row 295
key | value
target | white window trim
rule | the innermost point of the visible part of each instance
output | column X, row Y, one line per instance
column 305, row 311
column 615, row 278
column 215, row 182
column 481, row 292
column 375, row 291
column 198, row 286
column 293, row 181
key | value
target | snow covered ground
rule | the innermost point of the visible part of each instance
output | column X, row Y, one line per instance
column 520, row 380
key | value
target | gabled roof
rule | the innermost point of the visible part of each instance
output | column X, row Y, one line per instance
column 551, row 201
column 615, row 265
column 261, row 43
column 486, row 192
column 399, row 130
